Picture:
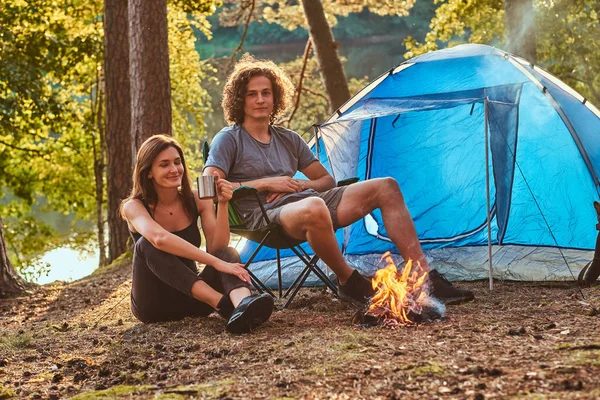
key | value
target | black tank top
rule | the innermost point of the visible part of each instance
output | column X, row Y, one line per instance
column 191, row 234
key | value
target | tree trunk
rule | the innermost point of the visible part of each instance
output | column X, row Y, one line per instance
column 10, row 281
column 119, row 144
column 519, row 21
column 149, row 69
column 99, row 152
column 325, row 48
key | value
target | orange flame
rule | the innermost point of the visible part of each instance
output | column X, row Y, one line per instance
column 398, row 294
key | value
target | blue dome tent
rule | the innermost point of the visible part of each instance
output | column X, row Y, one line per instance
column 497, row 159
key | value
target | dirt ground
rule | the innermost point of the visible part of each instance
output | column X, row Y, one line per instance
column 526, row 340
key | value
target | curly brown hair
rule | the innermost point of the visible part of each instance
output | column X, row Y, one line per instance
column 234, row 93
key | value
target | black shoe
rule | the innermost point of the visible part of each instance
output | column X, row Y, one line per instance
column 442, row 289
column 253, row 311
column 357, row 290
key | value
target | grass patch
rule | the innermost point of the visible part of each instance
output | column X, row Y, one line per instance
column 430, row 368
column 125, row 258
column 563, row 346
column 324, row 369
column 212, row 390
column 113, row 392
column 6, row 393
column 18, row 341
column 589, row 358
column 354, row 341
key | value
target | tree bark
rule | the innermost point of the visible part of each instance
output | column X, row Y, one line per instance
column 10, row 281
column 325, row 48
column 119, row 143
column 149, row 69
column 99, row 152
column 519, row 21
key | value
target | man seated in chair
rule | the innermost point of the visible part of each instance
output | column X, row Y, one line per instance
column 253, row 152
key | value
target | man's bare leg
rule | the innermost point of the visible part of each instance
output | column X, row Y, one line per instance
column 309, row 219
column 361, row 198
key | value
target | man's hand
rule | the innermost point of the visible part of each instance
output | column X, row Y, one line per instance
column 272, row 196
column 283, row 184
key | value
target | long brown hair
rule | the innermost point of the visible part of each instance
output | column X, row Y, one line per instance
column 234, row 93
column 143, row 189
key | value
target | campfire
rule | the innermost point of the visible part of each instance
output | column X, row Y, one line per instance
column 401, row 299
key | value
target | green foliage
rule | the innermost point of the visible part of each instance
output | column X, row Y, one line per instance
column 367, row 22
column 567, row 33
column 291, row 16
column 51, row 60
column 457, row 21
column 50, row 56
column 191, row 101
column 569, row 43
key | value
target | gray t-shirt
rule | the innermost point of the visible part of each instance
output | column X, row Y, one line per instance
column 244, row 158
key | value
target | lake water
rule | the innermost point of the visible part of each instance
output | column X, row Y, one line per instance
column 68, row 265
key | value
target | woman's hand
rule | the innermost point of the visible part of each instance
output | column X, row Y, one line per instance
column 224, row 189
column 236, row 269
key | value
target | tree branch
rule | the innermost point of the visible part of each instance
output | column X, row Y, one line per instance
column 299, row 87
column 239, row 47
column 317, row 94
column 589, row 84
column 12, row 146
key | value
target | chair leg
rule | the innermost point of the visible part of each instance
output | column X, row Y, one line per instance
column 259, row 285
column 303, row 275
column 279, row 272
column 315, row 268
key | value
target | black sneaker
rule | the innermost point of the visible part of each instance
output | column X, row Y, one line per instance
column 442, row 289
column 357, row 289
column 252, row 311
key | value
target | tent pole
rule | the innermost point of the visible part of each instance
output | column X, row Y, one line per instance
column 487, row 186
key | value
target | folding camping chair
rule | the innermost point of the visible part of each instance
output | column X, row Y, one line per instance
column 273, row 236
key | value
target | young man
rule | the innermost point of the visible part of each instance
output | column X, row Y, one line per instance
column 252, row 152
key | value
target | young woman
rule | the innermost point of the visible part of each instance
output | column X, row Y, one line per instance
column 161, row 213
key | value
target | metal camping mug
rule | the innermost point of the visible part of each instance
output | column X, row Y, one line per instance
column 206, row 187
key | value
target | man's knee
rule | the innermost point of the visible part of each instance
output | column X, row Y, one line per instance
column 315, row 212
column 228, row 254
column 389, row 184
column 308, row 213
column 388, row 189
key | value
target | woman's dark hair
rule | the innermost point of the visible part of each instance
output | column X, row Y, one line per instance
column 143, row 188
column 234, row 93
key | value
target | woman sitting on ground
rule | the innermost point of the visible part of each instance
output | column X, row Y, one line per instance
column 161, row 213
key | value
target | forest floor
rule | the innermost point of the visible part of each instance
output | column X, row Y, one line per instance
column 526, row 340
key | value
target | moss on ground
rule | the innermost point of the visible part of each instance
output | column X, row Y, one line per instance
column 113, row 392
column 18, row 341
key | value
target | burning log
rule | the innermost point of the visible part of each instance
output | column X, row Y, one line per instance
column 400, row 299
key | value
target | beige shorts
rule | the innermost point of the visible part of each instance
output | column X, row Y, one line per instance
column 332, row 198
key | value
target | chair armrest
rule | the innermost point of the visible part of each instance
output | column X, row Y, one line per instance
column 346, row 182
column 245, row 191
